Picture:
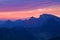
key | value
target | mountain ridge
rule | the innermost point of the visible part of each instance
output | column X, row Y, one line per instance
column 32, row 21
column 46, row 27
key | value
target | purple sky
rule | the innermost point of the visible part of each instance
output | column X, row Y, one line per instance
column 11, row 5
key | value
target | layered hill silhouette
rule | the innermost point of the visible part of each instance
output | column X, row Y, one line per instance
column 44, row 19
column 46, row 27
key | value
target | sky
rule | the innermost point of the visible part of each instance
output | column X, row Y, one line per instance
column 21, row 9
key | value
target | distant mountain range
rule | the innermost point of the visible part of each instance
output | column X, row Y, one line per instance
column 43, row 20
column 45, row 27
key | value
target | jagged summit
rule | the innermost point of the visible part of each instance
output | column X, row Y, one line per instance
column 47, row 15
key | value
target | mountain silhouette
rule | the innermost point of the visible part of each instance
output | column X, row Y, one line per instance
column 47, row 20
column 45, row 27
column 7, row 24
column 48, row 23
column 43, row 20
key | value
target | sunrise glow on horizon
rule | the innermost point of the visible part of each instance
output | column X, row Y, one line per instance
column 21, row 9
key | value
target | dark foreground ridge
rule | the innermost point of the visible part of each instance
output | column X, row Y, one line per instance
column 46, row 27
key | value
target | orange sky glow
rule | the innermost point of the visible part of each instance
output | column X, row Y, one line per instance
column 54, row 10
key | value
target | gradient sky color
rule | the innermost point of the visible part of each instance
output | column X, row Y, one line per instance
column 20, row 9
